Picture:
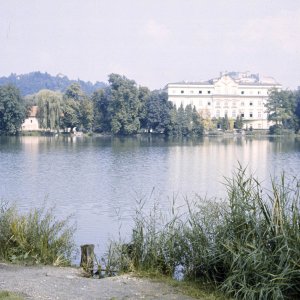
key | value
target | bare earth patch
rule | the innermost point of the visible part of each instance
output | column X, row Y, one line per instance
column 45, row 282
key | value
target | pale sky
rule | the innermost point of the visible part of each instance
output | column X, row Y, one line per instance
column 153, row 42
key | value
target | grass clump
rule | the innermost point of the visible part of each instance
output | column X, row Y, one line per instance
column 5, row 295
column 247, row 246
column 35, row 238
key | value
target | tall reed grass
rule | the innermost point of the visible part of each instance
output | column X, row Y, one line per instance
column 36, row 237
column 247, row 245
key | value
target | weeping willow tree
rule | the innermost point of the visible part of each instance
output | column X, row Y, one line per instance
column 49, row 108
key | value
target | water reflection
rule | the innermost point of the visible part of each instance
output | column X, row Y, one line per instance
column 99, row 179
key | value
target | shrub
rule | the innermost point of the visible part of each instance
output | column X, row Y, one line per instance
column 36, row 237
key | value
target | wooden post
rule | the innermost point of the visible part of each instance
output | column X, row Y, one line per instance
column 87, row 258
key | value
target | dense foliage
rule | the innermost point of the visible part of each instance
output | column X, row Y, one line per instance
column 124, row 108
column 12, row 110
column 248, row 245
column 36, row 237
column 283, row 108
column 49, row 112
column 33, row 82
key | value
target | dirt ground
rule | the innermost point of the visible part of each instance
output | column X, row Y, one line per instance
column 45, row 282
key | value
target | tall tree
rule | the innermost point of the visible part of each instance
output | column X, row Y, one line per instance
column 180, row 120
column 158, row 112
column 198, row 124
column 188, row 119
column 71, row 114
column 281, row 108
column 144, row 96
column 12, row 110
column 124, row 105
column 78, row 110
column 297, row 109
column 74, row 92
column 49, row 108
column 225, row 123
column 238, row 123
column 101, row 112
column 87, row 114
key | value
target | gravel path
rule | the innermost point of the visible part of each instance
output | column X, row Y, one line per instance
column 46, row 282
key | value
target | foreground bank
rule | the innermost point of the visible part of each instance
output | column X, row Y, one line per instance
column 247, row 246
column 46, row 282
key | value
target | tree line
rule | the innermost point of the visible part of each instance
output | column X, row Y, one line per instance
column 33, row 82
column 122, row 107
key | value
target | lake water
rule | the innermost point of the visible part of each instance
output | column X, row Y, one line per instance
column 100, row 179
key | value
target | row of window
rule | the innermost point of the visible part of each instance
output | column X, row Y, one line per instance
column 251, row 93
column 242, row 114
column 226, row 104
column 192, row 92
column 251, row 103
column 209, row 92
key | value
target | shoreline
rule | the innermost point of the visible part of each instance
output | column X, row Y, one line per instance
column 214, row 133
column 48, row 282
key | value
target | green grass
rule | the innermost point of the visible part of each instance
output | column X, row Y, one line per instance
column 197, row 290
column 5, row 295
column 35, row 238
column 246, row 246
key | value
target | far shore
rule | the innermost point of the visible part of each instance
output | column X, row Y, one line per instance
column 213, row 133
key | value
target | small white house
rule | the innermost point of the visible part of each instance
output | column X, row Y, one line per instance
column 31, row 123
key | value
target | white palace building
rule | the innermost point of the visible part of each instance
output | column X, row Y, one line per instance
column 233, row 93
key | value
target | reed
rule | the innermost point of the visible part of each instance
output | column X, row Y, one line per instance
column 36, row 237
column 247, row 245
column 259, row 241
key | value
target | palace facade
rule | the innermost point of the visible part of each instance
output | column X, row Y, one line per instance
column 234, row 93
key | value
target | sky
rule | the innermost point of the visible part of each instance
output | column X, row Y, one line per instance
column 154, row 42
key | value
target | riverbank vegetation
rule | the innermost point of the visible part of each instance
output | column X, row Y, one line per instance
column 5, row 295
column 247, row 246
column 124, row 108
column 35, row 238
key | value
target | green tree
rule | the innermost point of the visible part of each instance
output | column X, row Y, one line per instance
column 49, row 108
column 78, row 110
column 71, row 114
column 225, row 123
column 86, row 114
column 144, row 97
column 74, row 92
column 101, row 113
column 188, row 121
column 172, row 127
column 239, row 123
column 281, row 108
column 12, row 110
column 198, row 124
column 297, row 109
column 180, row 121
column 123, row 105
column 158, row 112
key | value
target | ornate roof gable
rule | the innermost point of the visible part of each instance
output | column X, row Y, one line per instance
column 226, row 81
column 226, row 85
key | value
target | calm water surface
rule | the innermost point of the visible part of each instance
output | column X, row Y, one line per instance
column 99, row 180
